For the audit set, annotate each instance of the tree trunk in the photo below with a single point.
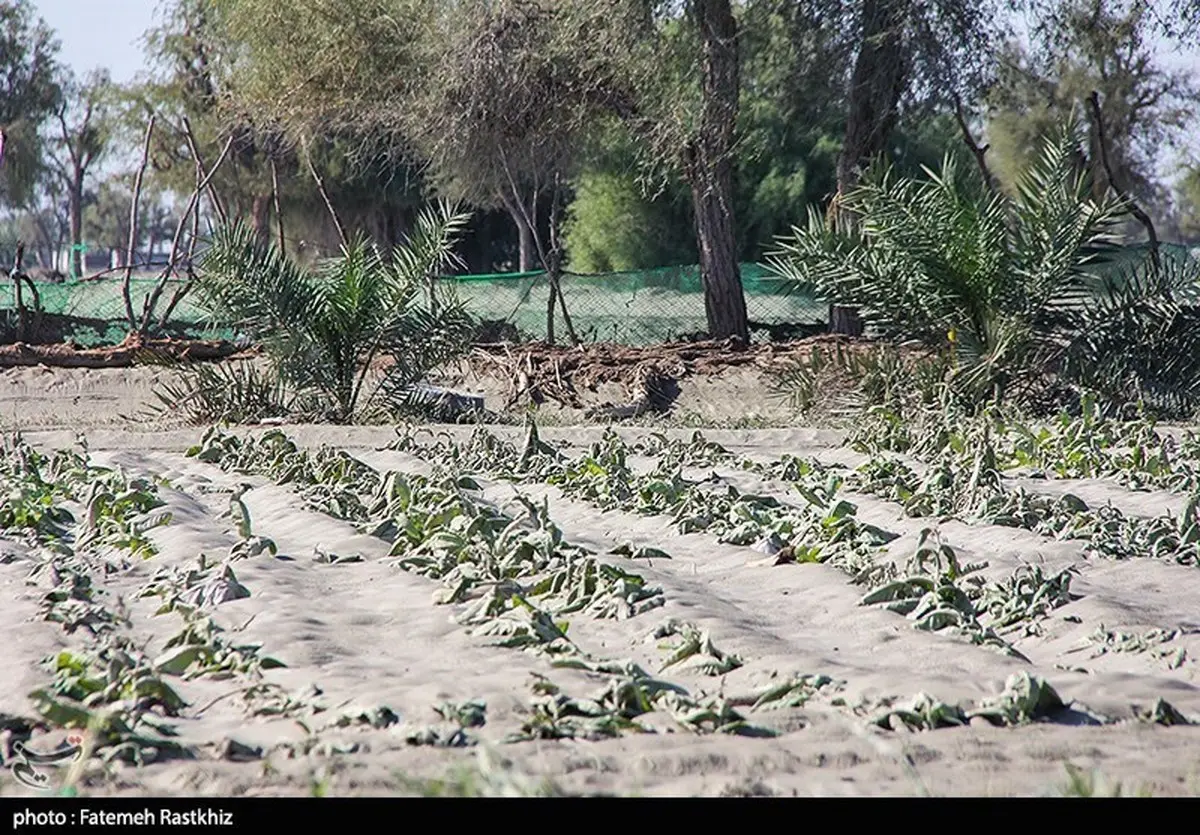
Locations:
(879, 79)
(845, 320)
(76, 220)
(724, 300)
(708, 166)
(527, 247)
(260, 218)
(876, 85)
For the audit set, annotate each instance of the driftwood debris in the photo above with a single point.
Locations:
(538, 371)
(132, 351)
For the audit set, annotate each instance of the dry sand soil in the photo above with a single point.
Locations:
(649, 661)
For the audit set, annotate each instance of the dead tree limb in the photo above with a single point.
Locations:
(218, 207)
(133, 225)
(1093, 101)
(17, 275)
(551, 260)
(152, 298)
(312, 169)
(979, 151)
(119, 356)
(278, 207)
(178, 295)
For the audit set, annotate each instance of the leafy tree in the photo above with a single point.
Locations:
(496, 95)
(80, 139)
(911, 52)
(1080, 46)
(708, 167)
(1187, 202)
(790, 121)
(188, 92)
(29, 92)
(106, 218)
(612, 226)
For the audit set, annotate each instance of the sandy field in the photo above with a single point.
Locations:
(783, 683)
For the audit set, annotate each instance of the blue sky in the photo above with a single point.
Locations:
(101, 33)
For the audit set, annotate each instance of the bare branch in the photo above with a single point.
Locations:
(133, 224)
(325, 196)
(212, 191)
(980, 152)
(152, 298)
(1093, 101)
(278, 208)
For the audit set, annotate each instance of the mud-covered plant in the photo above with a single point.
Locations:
(1025, 698)
(120, 513)
(1158, 643)
(693, 650)
(936, 592)
(202, 648)
(206, 585)
(922, 713)
(70, 506)
(616, 707)
(1027, 595)
(793, 691)
(329, 480)
(110, 690)
(75, 603)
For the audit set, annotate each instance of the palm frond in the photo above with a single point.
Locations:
(324, 327)
(430, 247)
(1139, 338)
(224, 392)
(251, 285)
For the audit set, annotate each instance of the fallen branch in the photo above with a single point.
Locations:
(539, 370)
(131, 352)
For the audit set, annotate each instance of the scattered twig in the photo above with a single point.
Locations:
(223, 697)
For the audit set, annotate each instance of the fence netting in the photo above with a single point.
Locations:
(91, 312)
(632, 308)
